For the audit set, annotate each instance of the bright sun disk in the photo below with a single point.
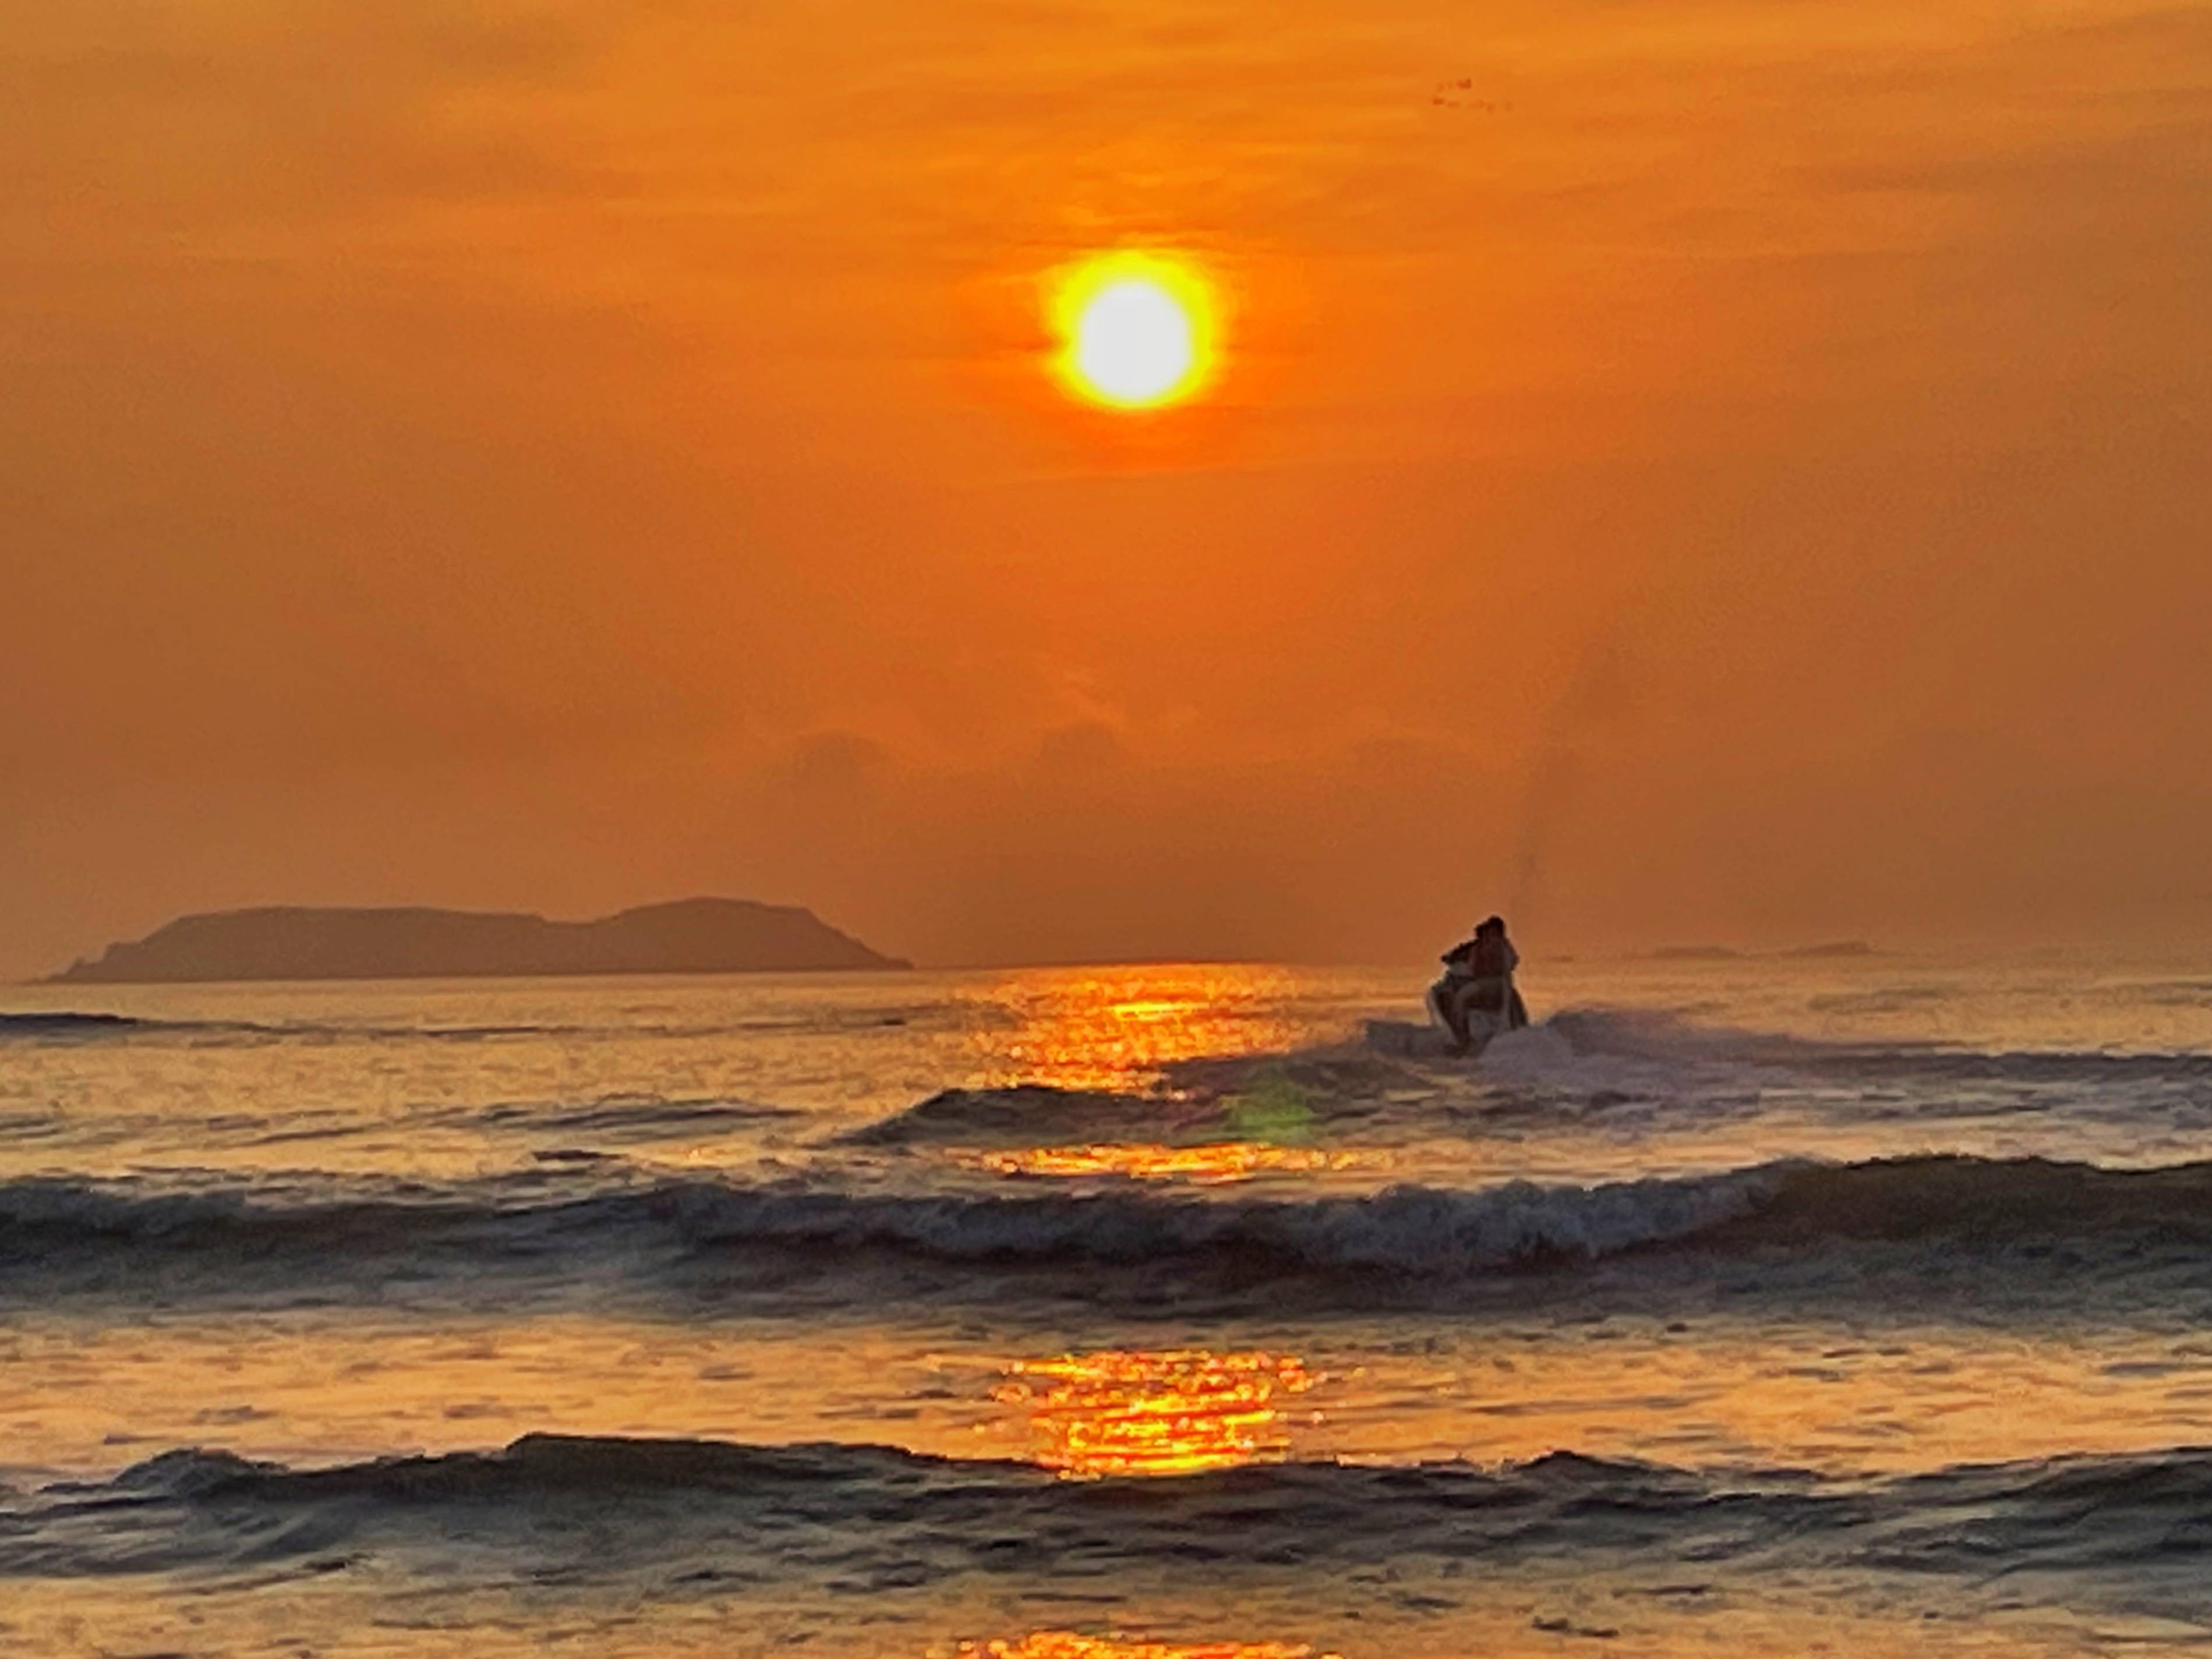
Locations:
(1136, 330)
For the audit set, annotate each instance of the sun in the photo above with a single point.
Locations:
(1137, 330)
(1133, 343)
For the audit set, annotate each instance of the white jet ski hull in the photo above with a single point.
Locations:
(1405, 1040)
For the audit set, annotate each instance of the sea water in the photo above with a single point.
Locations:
(1851, 1304)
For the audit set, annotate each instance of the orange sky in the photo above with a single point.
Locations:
(1735, 471)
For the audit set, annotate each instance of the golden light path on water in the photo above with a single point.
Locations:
(1130, 1412)
(1111, 1028)
(1208, 1163)
(81, 1400)
(1066, 1645)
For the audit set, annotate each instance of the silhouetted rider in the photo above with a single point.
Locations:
(1478, 979)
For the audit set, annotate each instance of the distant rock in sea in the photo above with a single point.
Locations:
(1695, 953)
(689, 936)
(1837, 948)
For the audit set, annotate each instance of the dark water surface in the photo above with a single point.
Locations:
(1793, 1305)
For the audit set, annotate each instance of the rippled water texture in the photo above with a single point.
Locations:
(1844, 1305)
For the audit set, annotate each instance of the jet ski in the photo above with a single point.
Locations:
(1483, 1009)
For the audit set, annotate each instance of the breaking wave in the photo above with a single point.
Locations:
(1403, 1230)
(1577, 1061)
(778, 1510)
(579, 1226)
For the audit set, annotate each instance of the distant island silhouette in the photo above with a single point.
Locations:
(688, 936)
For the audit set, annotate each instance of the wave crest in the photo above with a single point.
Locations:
(893, 1510)
(1023, 1115)
(575, 1227)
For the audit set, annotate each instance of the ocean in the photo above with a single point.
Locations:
(1855, 1304)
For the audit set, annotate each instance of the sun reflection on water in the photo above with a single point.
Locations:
(1208, 1163)
(1066, 1645)
(1124, 1412)
(1112, 1028)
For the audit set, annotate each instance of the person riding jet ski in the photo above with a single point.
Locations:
(1477, 988)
